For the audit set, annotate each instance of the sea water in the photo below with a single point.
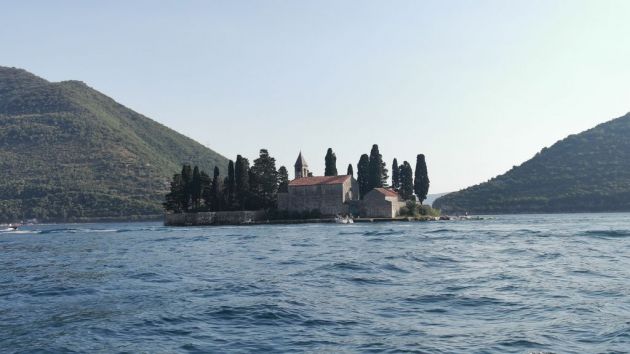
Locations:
(510, 284)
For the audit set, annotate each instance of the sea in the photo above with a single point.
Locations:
(504, 284)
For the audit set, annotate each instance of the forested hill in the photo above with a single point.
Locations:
(587, 172)
(69, 152)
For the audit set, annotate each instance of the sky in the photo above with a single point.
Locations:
(476, 86)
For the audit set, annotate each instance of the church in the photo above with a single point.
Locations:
(331, 195)
(335, 195)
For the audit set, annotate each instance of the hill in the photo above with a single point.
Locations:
(68, 152)
(586, 172)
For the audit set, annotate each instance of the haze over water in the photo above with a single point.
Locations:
(552, 283)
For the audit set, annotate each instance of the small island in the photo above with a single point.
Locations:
(261, 194)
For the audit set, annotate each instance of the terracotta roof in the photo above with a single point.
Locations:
(313, 181)
(387, 192)
(300, 161)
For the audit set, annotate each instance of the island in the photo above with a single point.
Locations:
(262, 194)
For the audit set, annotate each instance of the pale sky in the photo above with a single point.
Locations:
(477, 86)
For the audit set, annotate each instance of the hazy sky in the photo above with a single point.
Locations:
(477, 86)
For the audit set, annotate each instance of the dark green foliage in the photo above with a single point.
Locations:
(414, 209)
(230, 187)
(395, 175)
(196, 188)
(350, 171)
(68, 152)
(217, 192)
(264, 181)
(363, 171)
(187, 192)
(283, 180)
(331, 163)
(377, 172)
(587, 172)
(241, 175)
(421, 181)
(406, 181)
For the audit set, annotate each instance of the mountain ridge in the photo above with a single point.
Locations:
(70, 152)
(585, 172)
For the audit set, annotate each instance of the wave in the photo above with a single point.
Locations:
(257, 314)
(607, 233)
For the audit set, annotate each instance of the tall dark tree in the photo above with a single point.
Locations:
(376, 169)
(363, 171)
(241, 176)
(187, 184)
(175, 197)
(283, 180)
(421, 183)
(230, 186)
(196, 188)
(265, 180)
(395, 175)
(331, 163)
(217, 191)
(206, 189)
(406, 181)
(350, 171)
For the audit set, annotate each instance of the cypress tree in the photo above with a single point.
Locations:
(406, 181)
(217, 189)
(230, 186)
(421, 183)
(265, 180)
(395, 175)
(363, 168)
(331, 163)
(186, 196)
(175, 197)
(206, 189)
(241, 176)
(196, 188)
(283, 180)
(376, 170)
(350, 171)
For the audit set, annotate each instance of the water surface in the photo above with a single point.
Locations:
(545, 283)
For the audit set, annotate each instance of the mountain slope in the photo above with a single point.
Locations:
(587, 172)
(69, 152)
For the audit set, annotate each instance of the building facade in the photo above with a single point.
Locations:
(381, 203)
(330, 195)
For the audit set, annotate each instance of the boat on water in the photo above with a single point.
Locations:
(10, 227)
(343, 219)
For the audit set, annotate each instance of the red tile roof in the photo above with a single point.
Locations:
(313, 181)
(387, 192)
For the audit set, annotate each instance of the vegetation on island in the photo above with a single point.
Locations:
(586, 172)
(70, 153)
(257, 187)
(244, 187)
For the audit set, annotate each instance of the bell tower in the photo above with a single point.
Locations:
(301, 167)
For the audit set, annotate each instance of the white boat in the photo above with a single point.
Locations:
(343, 220)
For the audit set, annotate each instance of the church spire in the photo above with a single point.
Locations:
(301, 167)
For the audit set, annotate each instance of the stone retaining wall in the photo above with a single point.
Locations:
(214, 218)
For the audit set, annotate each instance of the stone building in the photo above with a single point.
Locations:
(331, 195)
(381, 203)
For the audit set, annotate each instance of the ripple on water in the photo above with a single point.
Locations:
(492, 286)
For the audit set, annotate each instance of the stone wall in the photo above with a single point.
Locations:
(377, 205)
(214, 218)
(327, 198)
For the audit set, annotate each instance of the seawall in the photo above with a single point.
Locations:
(215, 218)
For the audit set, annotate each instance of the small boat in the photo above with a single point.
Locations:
(343, 220)
(10, 227)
